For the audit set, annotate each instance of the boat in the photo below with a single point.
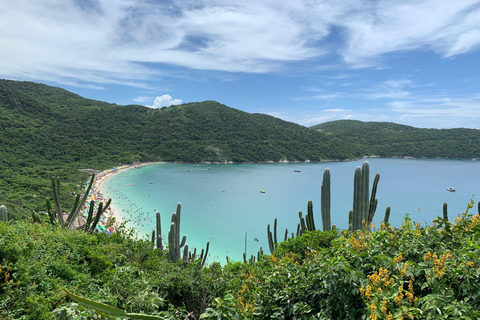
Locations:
(451, 189)
(129, 184)
(261, 191)
(296, 171)
(256, 239)
(151, 182)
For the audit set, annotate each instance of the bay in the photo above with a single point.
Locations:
(222, 203)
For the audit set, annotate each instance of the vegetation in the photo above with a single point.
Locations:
(48, 132)
(410, 272)
(387, 139)
(48, 271)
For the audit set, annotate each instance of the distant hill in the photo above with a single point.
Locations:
(49, 131)
(388, 139)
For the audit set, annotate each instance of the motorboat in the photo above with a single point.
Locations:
(451, 189)
(261, 191)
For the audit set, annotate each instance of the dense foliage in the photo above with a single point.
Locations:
(48, 131)
(411, 272)
(387, 139)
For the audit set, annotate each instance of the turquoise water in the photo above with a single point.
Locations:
(222, 203)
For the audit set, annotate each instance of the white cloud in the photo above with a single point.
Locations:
(106, 42)
(142, 99)
(387, 26)
(436, 112)
(335, 110)
(164, 101)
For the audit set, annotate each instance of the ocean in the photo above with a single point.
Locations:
(223, 205)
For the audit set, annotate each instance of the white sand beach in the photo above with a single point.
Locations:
(98, 190)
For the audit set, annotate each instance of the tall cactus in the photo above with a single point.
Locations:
(272, 239)
(309, 217)
(174, 235)
(174, 243)
(326, 200)
(4, 216)
(159, 232)
(387, 215)
(363, 208)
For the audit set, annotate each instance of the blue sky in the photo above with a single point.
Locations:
(306, 61)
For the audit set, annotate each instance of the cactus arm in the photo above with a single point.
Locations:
(159, 232)
(77, 209)
(97, 217)
(387, 215)
(75, 205)
(364, 192)
(373, 200)
(184, 239)
(185, 253)
(206, 254)
(357, 196)
(90, 215)
(275, 232)
(270, 239)
(309, 217)
(56, 198)
(445, 211)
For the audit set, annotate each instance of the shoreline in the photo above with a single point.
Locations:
(97, 193)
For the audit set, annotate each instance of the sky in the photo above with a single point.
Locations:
(410, 62)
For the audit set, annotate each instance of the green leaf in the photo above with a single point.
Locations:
(97, 305)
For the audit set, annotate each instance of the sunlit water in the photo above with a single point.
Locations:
(223, 203)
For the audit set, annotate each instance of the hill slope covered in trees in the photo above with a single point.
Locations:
(49, 131)
(388, 139)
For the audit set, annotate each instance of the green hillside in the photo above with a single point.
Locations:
(388, 139)
(49, 131)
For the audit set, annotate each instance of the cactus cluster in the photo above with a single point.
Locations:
(360, 217)
(363, 208)
(4, 215)
(174, 243)
(56, 214)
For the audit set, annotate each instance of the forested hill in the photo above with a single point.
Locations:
(49, 131)
(388, 139)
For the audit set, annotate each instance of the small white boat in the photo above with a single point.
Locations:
(451, 189)
(129, 184)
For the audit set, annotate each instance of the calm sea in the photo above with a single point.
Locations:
(220, 203)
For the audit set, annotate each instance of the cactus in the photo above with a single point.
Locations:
(309, 217)
(363, 208)
(445, 212)
(387, 215)
(36, 217)
(271, 243)
(57, 214)
(303, 226)
(159, 232)
(326, 200)
(174, 243)
(4, 216)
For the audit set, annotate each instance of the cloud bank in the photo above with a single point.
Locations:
(127, 42)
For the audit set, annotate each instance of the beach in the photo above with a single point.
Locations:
(97, 194)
